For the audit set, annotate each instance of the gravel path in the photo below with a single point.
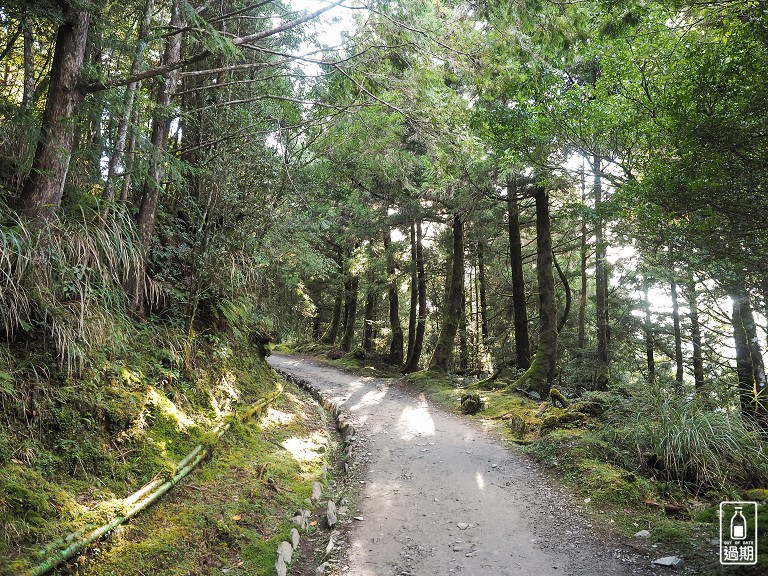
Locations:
(442, 497)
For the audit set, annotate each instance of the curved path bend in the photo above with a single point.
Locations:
(442, 497)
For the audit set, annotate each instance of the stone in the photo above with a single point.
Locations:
(643, 534)
(674, 562)
(330, 514)
(320, 570)
(317, 491)
(286, 551)
(331, 543)
(462, 525)
(280, 567)
(301, 519)
(295, 538)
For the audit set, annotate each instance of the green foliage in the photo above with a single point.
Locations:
(684, 440)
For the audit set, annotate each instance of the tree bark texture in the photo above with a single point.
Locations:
(648, 329)
(369, 327)
(698, 359)
(161, 125)
(678, 333)
(414, 294)
(522, 346)
(482, 289)
(44, 187)
(28, 96)
(749, 361)
(538, 378)
(601, 287)
(396, 344)
(350, 307)
(115, 167)
(412, 363)
(453, 307)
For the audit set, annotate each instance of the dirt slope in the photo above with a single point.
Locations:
(442, 497)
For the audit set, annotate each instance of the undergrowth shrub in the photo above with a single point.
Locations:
(685, 440)
(65, 279)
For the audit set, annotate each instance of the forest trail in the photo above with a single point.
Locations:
(440, 496)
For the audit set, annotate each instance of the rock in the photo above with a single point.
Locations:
(285, 550)
(280, 567)
(674, 562)
(301, 519)
(330, 514)
(471, 403)
(462, 525)
(331, 543)
(643, 534)
(295, 538)
(320, 570)
(317, 491)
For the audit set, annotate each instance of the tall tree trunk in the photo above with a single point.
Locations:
(27, 98)
(369, 327)
(396, 345)
(115, 167)
(567, 294)
(412, 363)
(522, 346)
(463, 341)
(601, 289)
(333, 329)
(43, 189)
(453, 306)
(350, 311)
(161, 126)
(698, 360)
(678, 334)
(648, 329)
(538, 378)
(414, 295)
(749, 361)
(482, 289)
(584, 253)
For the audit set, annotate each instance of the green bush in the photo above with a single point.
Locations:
(683, 440)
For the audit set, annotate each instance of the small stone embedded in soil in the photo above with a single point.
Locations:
(462, 525)
(285, 550)
(317, 491)
(643, 534)
(295, 538)
(674, 562)
(280, 567)
(330, 514)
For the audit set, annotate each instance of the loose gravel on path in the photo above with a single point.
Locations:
(441, 497)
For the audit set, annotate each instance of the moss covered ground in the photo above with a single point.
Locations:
(585, 447)
(72, 448)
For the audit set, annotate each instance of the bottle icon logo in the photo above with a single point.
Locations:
(738, 533)
(738, 525)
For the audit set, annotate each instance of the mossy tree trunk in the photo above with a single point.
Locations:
(540, 375)
(42, 192)
(522, 346)
(414, 303)
(412, 362)
(396, 344)
(482, 291)
(584, 254)
(455, 300)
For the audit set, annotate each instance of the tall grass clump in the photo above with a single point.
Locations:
(686, 440)
(65, 280)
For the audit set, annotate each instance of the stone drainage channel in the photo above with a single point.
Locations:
(440, 496)
(286, 549)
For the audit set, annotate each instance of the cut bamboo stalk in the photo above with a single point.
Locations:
(137, 500)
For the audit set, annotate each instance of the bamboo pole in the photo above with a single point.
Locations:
(153, 491)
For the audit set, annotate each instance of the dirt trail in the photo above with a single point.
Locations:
(442, 497)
